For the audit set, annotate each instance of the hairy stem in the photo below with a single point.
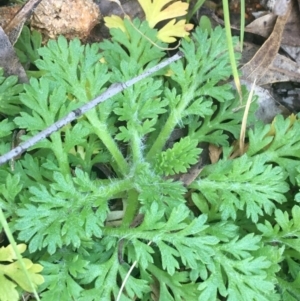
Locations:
(131, 208)
(60, 154)
(170, 124)
(101, 131)
(136, 148)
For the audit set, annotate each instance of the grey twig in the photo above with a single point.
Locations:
(110, 92)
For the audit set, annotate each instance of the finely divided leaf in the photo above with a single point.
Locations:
(74, 66)
(280, 143)
(287, 229)
(9, 94)
(27, 45)
(238, 277)
(178, 158)
(132, 48)
(63, 215)
(245, 182)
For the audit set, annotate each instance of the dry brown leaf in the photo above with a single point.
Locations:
(236, 151)
(262, 26)
(214, 153)
(192, 174)
(264, 57)
(9, 35)
(14, 27)
(282, 68)
(9, 60)
(293, 52)
(291, 34)
(268, 107)
(7, 13)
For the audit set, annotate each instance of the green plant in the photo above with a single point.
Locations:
(157, 11)
(12, 273)
(100, 194)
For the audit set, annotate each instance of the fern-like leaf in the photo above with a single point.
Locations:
(236, 275)
(178, 158)
(243, 183)
(76, 219)
(279, 143)
(9, 94)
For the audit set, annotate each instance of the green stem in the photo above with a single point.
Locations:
(159, 275)
(60, 154)
(170, 124)
(242, 27)
(114, 188)
(162, 137)
(136, 148)
(230, 47)
(101, 131)
(131, 208)
(8, 233)
(193, 10)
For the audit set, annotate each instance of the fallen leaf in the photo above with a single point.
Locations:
(8, 254)
(9, 60)
(167, 33)
(157, 11)
(192, 174)
(214, 153)
(7, 13)
(264, 25)
(291, 33)
(258, 66)
(114, 22)
(278, 7)
(293, 52)
(12, 273)
(9, 35)
(14, 27)
(282, 69)
(268, 107)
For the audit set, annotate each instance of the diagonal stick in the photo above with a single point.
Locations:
(110, 92)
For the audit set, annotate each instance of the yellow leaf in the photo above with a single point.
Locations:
(15, 272)
(171, 30)
(12, 273)
(154, 13)
(8, 289)
(8, 254)
(114, 22)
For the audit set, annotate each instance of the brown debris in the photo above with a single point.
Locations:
(257, 67)
(7, 13)
(15, 25)
(71, 18)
